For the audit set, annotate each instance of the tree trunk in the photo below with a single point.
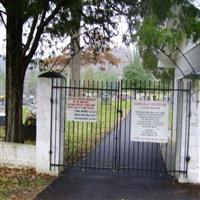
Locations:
(75, 45)
(75, 64)
(15, 72)
(75, 48)
(75, 61)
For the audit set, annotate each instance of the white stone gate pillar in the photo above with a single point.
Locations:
(50, 123)
(194, 138)
(193, 167)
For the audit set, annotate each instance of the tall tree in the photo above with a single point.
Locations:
(34, 19)
(75, 45)
(36, 15)
(27, 24)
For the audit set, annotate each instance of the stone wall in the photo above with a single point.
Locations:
(17, 155)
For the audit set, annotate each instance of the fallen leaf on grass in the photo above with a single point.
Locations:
(21, 184)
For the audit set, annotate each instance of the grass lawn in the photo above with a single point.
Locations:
(25, 114)
(21, 184)
(2, 133)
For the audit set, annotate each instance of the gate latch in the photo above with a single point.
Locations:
(121, 112)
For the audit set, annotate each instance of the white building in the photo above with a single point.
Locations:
(186, 61)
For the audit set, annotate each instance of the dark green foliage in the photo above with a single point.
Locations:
(150, 64)
(39, 23)
(190, 21)
(136, 72)
(180, 16)
(166, 75)
(150, 60)
(30, 119)
(161, 27)
(36, 20)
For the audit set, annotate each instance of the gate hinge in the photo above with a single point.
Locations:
(121, 112)
(187, 158)
(50, 152)
(51, 100)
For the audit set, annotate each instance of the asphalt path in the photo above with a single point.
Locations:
(74, 184)
(140, 173)
(117, 152)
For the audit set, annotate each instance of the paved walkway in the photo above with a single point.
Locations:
(124, 153)
(96, 185)
(74, 184)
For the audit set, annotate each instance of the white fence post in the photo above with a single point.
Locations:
(50, 123)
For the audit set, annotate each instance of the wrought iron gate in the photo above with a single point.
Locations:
(106, 144)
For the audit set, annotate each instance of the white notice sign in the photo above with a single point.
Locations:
(149, 121)
(82, 109)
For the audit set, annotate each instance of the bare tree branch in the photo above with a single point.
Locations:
(30, 36)
(52, 15)
(3, 2)
(44, 22)
(72, 55)
(33, 27)
(2, 19)
(3, 12)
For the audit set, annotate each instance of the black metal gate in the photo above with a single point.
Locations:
(106, 143)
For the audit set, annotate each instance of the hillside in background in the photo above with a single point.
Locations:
(124, 54)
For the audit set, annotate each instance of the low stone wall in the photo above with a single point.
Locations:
(17, 155)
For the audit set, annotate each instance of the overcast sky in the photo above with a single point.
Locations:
(196, 3)
(118, 39)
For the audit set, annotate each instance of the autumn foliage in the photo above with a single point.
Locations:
(88, 56)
